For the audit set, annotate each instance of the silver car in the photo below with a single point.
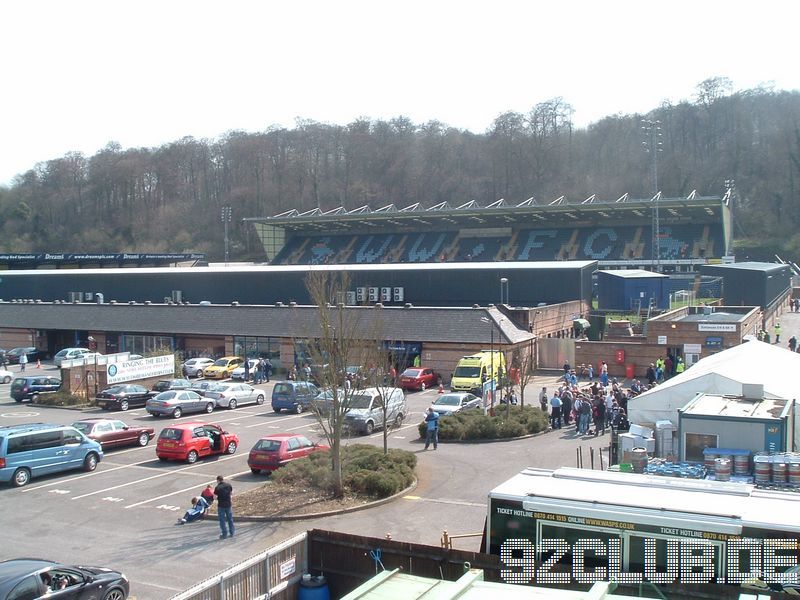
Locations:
(232, 395)
(194, 366)
(455, 402)
(177, 402)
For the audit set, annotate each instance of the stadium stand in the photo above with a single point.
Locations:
(691, 231)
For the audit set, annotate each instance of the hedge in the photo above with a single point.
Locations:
(365, 471)
(474, 425)
(61, 398)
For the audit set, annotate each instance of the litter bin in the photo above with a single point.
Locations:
(630, 371)
(313, 588)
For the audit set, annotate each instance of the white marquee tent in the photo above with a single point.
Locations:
(754, 362)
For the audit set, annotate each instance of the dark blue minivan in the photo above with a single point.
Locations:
(31, 387)
(293, 395)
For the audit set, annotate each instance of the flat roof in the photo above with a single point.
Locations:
(714, 317)
(624, 495)
(736, 407)
(749, 266)
(634, 274)
(249, 268)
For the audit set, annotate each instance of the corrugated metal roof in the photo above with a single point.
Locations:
(420, 324)
(250, 268)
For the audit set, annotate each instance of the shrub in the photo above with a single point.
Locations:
(60, 398)
(474, 425)
(365, 470)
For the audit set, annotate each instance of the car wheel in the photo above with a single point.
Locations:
(231, 448)
(90, 462)
(123, 405)
(191, 458)
(144, 439)
(210, 407)
(114, 594)
(35, 398)
(7, 380)
(233, 404)
(21, 477)
(277, 410)
(255, 471)
(177, 413)
(398, 420)
(422, 387)
(369, 428)
(260, 399)
(298, 408)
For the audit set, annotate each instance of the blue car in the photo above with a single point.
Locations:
(30, 388)
(293, 395)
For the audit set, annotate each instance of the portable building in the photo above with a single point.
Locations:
(721, 421)
(631, 289)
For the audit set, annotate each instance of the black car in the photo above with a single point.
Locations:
(123, 396)
(31, 387)
(12, 356)
(30, 578)
(166, 385)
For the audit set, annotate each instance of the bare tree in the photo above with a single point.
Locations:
(339, 337)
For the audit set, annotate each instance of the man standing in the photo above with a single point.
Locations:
(432, 428)
(223, 492)
(777, 333)
(267, 368)
(792, 343)
(23, 360)
(555, 415)
(543, 399)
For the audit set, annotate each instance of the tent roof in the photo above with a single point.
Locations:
(722, 373)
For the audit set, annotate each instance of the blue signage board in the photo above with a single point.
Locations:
(713, 342)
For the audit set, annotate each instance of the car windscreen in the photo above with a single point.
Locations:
(19, 382)
(359, 401)
(470, 372)
(222, 362)
(116, 389)
(171, 434)
(166, 396)
(82, 427)
(412, 372)
(448, 401)
(282, 388)
(268, 445)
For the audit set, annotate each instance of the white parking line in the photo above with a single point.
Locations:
(60, 481)
(116, 487)
(194, 487)
(271, 421)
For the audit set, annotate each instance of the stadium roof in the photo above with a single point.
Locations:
(501, 213)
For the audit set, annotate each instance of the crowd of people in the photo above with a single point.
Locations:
(592, 404)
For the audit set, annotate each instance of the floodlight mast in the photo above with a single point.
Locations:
(653, 145)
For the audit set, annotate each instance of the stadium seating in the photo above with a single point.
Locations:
(623, 242)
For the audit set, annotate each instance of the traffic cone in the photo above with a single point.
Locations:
(441, 388)
(38, 363)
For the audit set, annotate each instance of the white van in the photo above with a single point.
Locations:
(366, 409)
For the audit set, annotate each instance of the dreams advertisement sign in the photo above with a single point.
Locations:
(143, 368)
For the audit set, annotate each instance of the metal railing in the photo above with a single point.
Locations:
(259, 577)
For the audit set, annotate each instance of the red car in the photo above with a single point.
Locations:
(111, 433)
(190, 441)
(418, 378)
(274, 451)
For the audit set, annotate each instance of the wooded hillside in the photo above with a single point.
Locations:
(169, 198)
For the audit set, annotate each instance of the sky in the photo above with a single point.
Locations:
(78, 74)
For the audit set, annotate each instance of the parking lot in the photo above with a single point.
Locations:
(123, 514)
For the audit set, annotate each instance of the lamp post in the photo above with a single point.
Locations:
(493, 385)
(225, 217)
(504, 282)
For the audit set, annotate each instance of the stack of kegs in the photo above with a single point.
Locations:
(763, 463)
(741, 464)
(793, 463)
(722, 469)
(709, 459)
(638, 458)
